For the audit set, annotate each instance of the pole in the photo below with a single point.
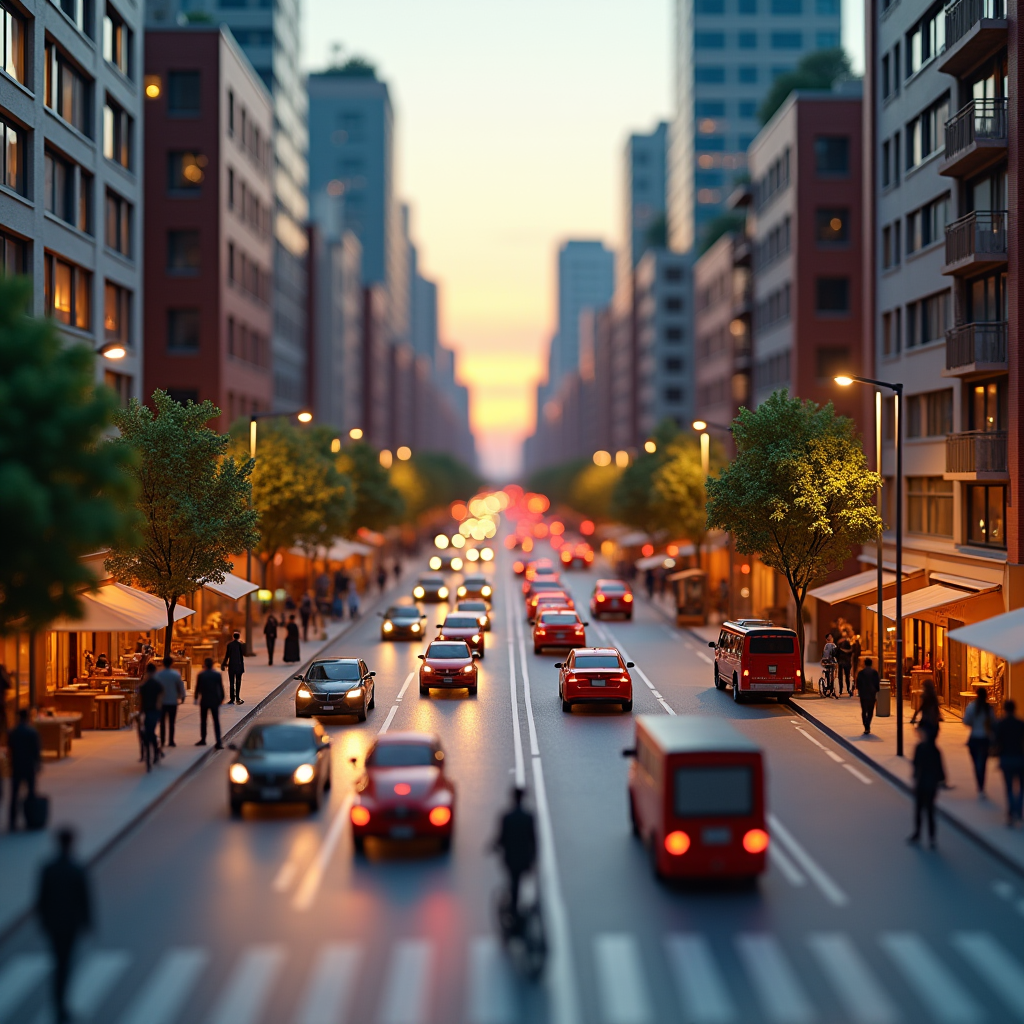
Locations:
(879, 619)
(248, 551)
(898, 401)
(705, 453)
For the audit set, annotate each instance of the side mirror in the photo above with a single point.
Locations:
(629, 752)
(423, 616)
(421, 656)
(558, 664)
(712, 644)
(298, 676)
(476, 654)
(232, 746)
(586, 623)
(373, 673)
(630, 664)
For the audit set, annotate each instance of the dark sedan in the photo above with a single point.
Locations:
(280, 762)
(401, 622)
(430, 588)
(335, 686)
(476, 585)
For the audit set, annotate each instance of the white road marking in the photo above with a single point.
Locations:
(517, 739)
(490, 996)
(674, 636)
(620, 979)
(807, 735)
(527, 696)
(285, 876)
(94, 980)
(640, 672)
(778, 856)
(406, 989)
(20, 975)
(857, 774)
(860, 992)
(932, 980)
(702, 991)
(387, 721)
(405, 686)
(817, 875)
(704, 657)
(835, 757)
(245, 998)
(781, 994)
(1004, 974)
(315, 872)
(167, 989)
(331, 985)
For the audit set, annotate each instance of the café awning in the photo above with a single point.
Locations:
(1002, 635)
(652, 562)
(115, 608)
(851, 587)
(946, 601)
(342, 549)
(233, 587)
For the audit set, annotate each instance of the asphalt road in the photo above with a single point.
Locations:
(271, 919)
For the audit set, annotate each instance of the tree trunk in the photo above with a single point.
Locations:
(800, 631)
(169, 633)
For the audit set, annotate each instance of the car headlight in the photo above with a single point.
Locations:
(469, 669)
(427, 668)
(462, 591)
(356, 691)
(483, 621)
(486, 591)
(304, 693)
(435, 563)
(487, 554)
(238, 773)
(388, 627)
(442, 593)
(476, 638)
(457, 564)
(415, 627)
(418, 591)
(303, 774)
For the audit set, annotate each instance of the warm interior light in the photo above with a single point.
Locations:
(602, 458)
(264, 595)
(360, 815)
(622, 459)
(441, 541)
(355, 433)
(442, 593)
(844, 381)
(435, 562)
(386, 458)
(404, 453)
(152, 86)
(699, 425)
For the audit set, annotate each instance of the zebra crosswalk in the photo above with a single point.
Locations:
(897, 977)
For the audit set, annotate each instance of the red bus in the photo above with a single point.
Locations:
(757, 659)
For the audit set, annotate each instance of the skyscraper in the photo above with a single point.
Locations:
(644, 206)
(728, 52)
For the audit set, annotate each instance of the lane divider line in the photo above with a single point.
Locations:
(307, 891)
(835, 757)
(405, 686)
(387, 721)
(857, 773)
(640, 672)
(816, 874)
(527, 693)
(807, 735)
(285, 876)
(517, 738)
(778, 857)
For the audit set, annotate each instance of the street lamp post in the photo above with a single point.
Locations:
(302, 417)
(702, 426)
(897, 390)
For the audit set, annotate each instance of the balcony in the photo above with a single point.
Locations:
(976, 242)
(976, 455)
(975, 138)
(973, 349)
(974, 30)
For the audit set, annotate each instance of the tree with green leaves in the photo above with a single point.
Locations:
(798, 494)
(377, 503)
(821, 69)
(192, 499)
(678, 490)
(62, 492)
(634, 500)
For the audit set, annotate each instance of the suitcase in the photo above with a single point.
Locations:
(37, 812)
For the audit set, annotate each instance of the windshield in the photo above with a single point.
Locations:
(431, 581)
(459, 650)
(336, 670)
(400, 755)
(557, 619)
(612, 588)
(712, 792)
(280, 739)
(460, 622)
(546, 585)
(403, 611)
(596, 661)
(472, 606)
(475, 581)
(771, 645)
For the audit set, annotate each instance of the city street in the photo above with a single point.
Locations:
(271, 919)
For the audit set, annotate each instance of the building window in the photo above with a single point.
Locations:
(928, 224)
(12, 57)
(926, 39)
(931, 414)
(832, 295)
(117, 42)
(183, 330)
(748, 75)
(117, 134)
(710, 6)
(891, 333)
(748, 6)
(709, 75)
(673, 395)
(747, 108)
(930, 505)
(673, 335)
(705, 108)
(928, 320)
(787, 7)
(787, 40)
(13, 255)
(185, 171)
(85, 202)
(986, 516)
(832, 154)
(66, 289)
(926, 133)
(116, 312)
(183, 252)
(747, 40)
(12, 162)
(709, 40)
(988, 408)
(826, 40)
(118, 230)
(673, 305)
(673, 273)
(832, 360)
(59, 187)
(887, 250)
(833, 225)
(673, 365)
(66, 91)
(183, 93)
(120, 384)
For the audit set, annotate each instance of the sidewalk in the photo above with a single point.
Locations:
(102, 791)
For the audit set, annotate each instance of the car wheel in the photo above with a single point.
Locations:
(446, 844)
(327, 782)
(719, 684)
(472, 690)
(373, 700)
(627, 705)
(566, 705)
(359, 844)
(634, 824)
(236, 808)
(314, 803)
(652, 850)
(361, 715)
(536, 650)
(424, 690)
(736, 695)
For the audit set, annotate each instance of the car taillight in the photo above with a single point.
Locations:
(542, 632)
(360, 815)
(755, 841)
(601, 597)
(440, 816)
(746, 672)
(627, 598)
(677, 843)
(798, 673)
(572, 679)
(579, 629)
(622, 679)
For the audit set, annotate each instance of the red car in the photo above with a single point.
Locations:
(611, 597)
(559, 628)
(547, 599)
(577, 555)
(595, 675)
(448, 665)
(463, 626)
(540, 587)
(403, 792)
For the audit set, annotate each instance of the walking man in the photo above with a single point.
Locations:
(174, 694)
(209, 696)
(868, 686)
(517, 842)
(64, 909)
(234, 662)
(1009, 735)
(929, 774)
(26, 760)
(382, 578)
(981, 721)
(151, 699)
(270, 632)
(305, 613)
(844, 659)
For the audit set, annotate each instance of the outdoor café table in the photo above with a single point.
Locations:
(68, 718)
(81, 701)
(109, 711)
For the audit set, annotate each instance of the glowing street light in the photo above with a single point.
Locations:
(404, 453)
(356, 433)
(602, 458)
(113, 350)
(650, 447)
(386, 458)
(304, 417)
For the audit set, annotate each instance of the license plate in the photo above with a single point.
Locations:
(327, 707)
(772, 669)
(780, 685)
(402, 832)
(448, 679)
(270, 793)
(598, 682)
(716, 836)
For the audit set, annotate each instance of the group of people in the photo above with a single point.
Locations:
(842, 658)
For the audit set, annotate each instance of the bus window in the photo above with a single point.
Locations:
(713, 792)
(771, 645)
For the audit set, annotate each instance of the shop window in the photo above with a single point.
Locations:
(67, 288)
(12, 57)
(66, 90)
(119, 224)
(183, 330)
(116, 313)
(930, 505)
(117, 134)
(12, 158)
(988, 406)
(986, 516)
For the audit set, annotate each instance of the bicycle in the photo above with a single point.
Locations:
(827, 682)
(522, 933)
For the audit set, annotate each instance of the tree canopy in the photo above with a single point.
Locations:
(377, 503)
(818, 70)
(62, 493)
(441, 479)
(192, 499)
(798, 494)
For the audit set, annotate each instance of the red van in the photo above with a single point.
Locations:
(757, 659)
(696, 797)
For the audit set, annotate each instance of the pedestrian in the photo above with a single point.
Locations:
(64, 909)
(857, 650)
(649, 584)
(305, 613)
(291, 641)
(868, 686)
(1009, 737)
(382, 578)
(928, 711)
(174, 694)
(234, 662)
(828, 660)
(340, 583)
(270, 633)
(517, 842)
(26, 760)
(397, 570)
(844, 661)
(979, 719)
(5, 685)
(929, 775)
(151, 699)
(209, 696)
(353, 601)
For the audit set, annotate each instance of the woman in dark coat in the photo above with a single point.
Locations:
(270, 632)
(291, 643)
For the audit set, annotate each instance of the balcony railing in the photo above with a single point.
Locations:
(981, 233)
(976, 451)
(980, 119)
(963, 15)
(973, 344)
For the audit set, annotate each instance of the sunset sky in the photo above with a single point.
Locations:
(511, 121)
